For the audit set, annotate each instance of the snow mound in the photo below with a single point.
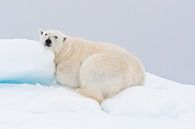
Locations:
(44, 99)
(25, 61)
(157, 99)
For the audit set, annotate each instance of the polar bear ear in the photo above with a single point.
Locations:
(41, 31)
(64, 39)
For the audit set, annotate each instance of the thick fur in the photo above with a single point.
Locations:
(97, 70)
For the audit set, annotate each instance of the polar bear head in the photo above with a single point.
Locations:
(52, 39)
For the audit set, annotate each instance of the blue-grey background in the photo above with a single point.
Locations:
(160, 32)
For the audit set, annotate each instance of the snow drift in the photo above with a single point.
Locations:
(157, 98)
(25, 61)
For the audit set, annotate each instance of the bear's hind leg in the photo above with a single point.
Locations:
(100, 77)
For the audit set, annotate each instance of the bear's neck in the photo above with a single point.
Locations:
(64, 53)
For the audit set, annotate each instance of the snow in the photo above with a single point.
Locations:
(163, 98)
(153, 106)
(25, 61)
(159, 104)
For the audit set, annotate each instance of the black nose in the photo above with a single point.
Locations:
(48, 42)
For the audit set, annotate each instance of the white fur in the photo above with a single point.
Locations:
(97, 70)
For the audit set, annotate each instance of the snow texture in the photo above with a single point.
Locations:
(159, 104)
(25, 61)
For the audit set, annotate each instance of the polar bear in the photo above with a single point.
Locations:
(94, 69)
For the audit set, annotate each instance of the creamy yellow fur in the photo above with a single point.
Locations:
(97, 70)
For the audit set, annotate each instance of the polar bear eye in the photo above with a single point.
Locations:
(45, 34)
(55, 37)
